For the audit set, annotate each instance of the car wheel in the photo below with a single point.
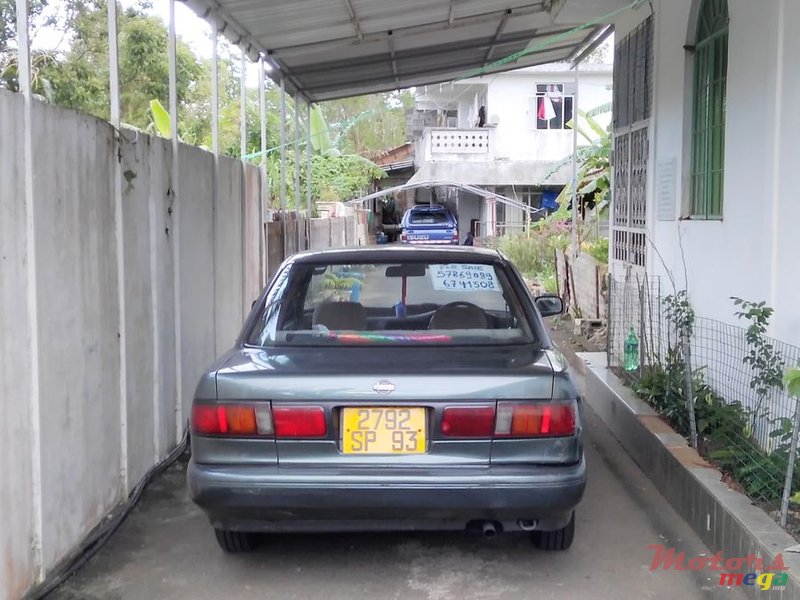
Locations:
(560, 539)
(235, 541)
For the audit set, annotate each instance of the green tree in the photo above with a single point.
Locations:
(369, 124)
(41, 13)
(80, 79)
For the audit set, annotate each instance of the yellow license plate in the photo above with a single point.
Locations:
(383, 430)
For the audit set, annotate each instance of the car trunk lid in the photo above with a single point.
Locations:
(383, 389)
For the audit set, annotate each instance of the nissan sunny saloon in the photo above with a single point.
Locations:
(394, 388)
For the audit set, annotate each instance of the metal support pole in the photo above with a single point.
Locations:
(176, 246)
(575, 249)
(243, 108)
(296, 162)
(24, 75)
(283, 165)
(243, 195)
(215, 150)
(309, 150)
(787, 484)
(262, 205)
(214, 90)
(113, 81)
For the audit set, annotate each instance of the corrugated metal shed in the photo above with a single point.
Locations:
(328, 49)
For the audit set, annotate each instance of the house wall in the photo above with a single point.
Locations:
(510, 98)
(751, 253)
(469, 207)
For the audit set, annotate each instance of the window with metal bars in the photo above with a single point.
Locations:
(708, 124)
(554, 105)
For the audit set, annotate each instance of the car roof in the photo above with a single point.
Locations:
(380, 254)
(428, 208)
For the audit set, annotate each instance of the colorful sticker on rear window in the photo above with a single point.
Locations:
(461, 277)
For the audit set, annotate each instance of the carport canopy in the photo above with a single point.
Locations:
(328, 49)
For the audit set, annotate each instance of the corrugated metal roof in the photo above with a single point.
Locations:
(326, 49)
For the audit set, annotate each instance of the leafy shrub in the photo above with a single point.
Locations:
(597, 249)
(724, 427)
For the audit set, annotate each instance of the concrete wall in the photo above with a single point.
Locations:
(581, 284)
(17, 510)
(752, 252)
(469, 207)
(90, 374)
(78, 314)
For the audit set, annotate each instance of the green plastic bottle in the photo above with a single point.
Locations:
(631, 351)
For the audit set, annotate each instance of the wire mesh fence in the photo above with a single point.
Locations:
(729, 378)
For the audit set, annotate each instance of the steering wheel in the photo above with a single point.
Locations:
(457, 303)
(471, 310)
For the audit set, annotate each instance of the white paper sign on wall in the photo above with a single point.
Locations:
(666, 173)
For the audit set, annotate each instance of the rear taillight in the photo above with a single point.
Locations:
(455, 236)
(231, 419)
(472, 421)
(403, 237)
(299, 421)
(523, 420)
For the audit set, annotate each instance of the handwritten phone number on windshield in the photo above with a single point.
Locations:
(468, 284)
(465, 275)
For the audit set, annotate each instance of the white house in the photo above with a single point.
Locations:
(706, 154)
(505, 132)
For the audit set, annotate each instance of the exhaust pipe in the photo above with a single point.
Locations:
(527, 524)
(489, 529)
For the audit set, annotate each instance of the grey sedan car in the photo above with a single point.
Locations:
(391, 388)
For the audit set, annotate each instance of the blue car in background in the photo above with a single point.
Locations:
(429, 224)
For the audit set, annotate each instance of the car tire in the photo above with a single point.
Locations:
(560, 539)
(235, 541)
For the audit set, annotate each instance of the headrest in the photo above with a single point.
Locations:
(341, 316)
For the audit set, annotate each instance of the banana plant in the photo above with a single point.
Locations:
(159, 120)
(792, 386)
(594, 160)
(321, 140)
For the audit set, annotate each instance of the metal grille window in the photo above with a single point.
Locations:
(633, 84)
(554, 105)
(708, 126)
(631, 154)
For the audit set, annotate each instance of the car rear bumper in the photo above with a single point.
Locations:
(255, 498)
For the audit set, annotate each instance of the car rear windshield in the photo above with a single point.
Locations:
(391, 304)
(438, 217)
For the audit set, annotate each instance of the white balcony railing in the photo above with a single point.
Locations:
(458, 144)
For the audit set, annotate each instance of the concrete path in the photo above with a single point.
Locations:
(166, 550)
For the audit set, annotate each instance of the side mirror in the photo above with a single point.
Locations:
(550, 305)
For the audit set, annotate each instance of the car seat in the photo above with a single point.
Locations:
(340, 316)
